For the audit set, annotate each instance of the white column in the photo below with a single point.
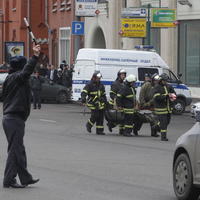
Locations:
(169, 42)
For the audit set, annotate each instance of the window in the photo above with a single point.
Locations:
(64, 45)
(14, 5)
(124, 3)
(102, 1)
(54, 5)
(189, 52)
(143, 71)
(62, 5)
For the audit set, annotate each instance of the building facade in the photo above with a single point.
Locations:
(189, 45)
(14, 34)
(61, 40)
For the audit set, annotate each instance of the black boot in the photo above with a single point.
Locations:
(121, 131)
(109, 127)
(88, 127)
(164, 137)
(154, 133)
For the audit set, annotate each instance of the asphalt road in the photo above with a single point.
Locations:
(75, 165)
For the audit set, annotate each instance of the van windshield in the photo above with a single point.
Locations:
(172, 77)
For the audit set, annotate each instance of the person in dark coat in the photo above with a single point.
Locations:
(16, 109)
(36, 87)
(52, 74)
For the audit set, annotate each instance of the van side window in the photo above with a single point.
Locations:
(143, 71)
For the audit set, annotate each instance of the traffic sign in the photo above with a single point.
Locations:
(78, 28)
(134, 12)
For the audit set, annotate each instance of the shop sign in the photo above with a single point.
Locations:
(133, 27)
(86, 8)
(163, 18)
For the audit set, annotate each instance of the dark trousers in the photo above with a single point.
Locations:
(36, 98)
(97, 116)
(164, 122)
(128, 123)
(138, 121)
(16, 161)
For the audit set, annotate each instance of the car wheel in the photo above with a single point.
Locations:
(62, 97)
(179, 107)
(183, 179)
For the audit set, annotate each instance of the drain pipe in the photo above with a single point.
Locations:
(49, 30)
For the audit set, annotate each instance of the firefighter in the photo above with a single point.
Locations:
(163, 95)
(146, 102)
(115, 88)
(145, 92)
(126, 101)
(94, 96)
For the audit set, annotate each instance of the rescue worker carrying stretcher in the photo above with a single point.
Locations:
(94, 96)
(126, 101)
(115, 88)
(163, 95)
(146, 103)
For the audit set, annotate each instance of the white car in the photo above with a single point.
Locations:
(195, 108)
(186, 164)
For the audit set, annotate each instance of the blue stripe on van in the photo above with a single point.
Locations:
(137, 84)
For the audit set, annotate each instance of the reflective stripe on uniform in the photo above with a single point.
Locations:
(85, 91)
(155, 95)
(128, 126)
(113, 92)
(130, 96)
(90, 122)
(100, 127)
(129, 110)
(163, 131)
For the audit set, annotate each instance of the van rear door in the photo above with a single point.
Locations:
(83, 73)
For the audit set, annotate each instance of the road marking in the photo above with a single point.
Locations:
(46, 120)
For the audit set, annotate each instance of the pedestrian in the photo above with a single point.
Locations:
(52, 74)
(16, 109)
(126, 101)
(163, 95)
(94, 96)
(62, 64)
(115, 88)
(36, 87)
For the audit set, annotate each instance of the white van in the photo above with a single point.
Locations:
(110, 61)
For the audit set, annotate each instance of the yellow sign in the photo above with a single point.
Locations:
(133, 27)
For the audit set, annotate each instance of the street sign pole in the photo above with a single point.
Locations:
(148, 25)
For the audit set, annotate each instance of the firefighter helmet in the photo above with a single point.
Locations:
(164, 77)
(121, 71)
(131, 78)
(155, 77)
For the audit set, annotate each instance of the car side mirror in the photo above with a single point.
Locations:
(180, 75)
(197, 116)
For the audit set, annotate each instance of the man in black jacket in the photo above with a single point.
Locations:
(115, 88)
(36, 87)
(16, 109)
(94, 95)
(126, 101)
(163, 95)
